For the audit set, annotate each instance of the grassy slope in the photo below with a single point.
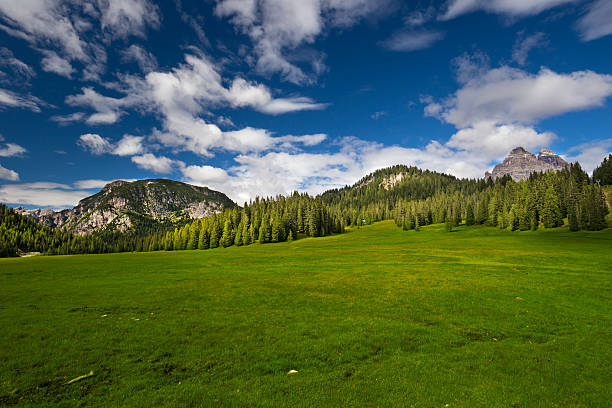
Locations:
(375, 317)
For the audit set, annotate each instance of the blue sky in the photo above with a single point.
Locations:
(263, 97)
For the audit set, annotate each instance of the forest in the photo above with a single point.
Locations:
(413, 199)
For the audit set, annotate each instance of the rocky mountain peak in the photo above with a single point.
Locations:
(546, 152)
(113, 184)
(520, 163)
(519, 151)
(123, 205)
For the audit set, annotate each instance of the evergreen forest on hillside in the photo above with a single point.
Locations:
(417, 198)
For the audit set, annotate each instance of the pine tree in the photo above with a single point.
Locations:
(215, 234)
(469, 214)
(238, 239)
(226, 237)
(572, 218)
(204, 238)
(551, 213)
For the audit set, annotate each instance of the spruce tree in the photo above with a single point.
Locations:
(226, 237)
(551, 213)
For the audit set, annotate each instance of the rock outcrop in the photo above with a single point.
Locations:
(121, 206)
(520, 164)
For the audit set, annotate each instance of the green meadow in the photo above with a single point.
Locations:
(374, 317)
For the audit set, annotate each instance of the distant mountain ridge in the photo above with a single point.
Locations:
(123, 206)
(520, 163)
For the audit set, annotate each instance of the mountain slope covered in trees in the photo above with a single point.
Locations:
(411, 196)
(141, 207)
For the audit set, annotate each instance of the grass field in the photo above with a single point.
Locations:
(373, 317)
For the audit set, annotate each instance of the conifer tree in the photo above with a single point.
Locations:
(551, 213)
(227, 239)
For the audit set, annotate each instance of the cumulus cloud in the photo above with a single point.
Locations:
(467, 154)
(281, 172)
(508, 95)
(182, 96)
(157, 164)
(279, 27)
(412, 40)
(591, 154)
(597, 22)
(185, 92)
(6, 174)
(95, 143)
(512, 8)
(129, 145)
(493, 141)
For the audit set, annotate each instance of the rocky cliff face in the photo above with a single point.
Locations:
(520, 164)
(122, 206)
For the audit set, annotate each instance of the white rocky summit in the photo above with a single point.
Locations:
(520, 164)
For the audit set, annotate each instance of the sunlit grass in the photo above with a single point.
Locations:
(374, 317)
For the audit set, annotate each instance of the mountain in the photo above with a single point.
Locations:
(520, 164)
(140, 206)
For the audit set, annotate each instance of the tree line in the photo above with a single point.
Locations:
(542, 201)
(414, 199)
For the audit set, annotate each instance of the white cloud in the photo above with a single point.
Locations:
(258, 96)
(6, 174)
(54, 63)
(128, 17)
(156, 164)
(96, 144)
(184, 93)
(182, 96)
(45, 21)
(597, 22)
(278, 27)
(507, 95)
(67, 119)
(19, 69)
(68, 31)
(591, 154)
(108, 109)
(524, 45)
(129, 146)
(90, 184)
(41, 194)
(412, 40)
(493, 141)
(11, 150)
(145, 60)
(275, 173)
(513, 8)
(13, 100)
